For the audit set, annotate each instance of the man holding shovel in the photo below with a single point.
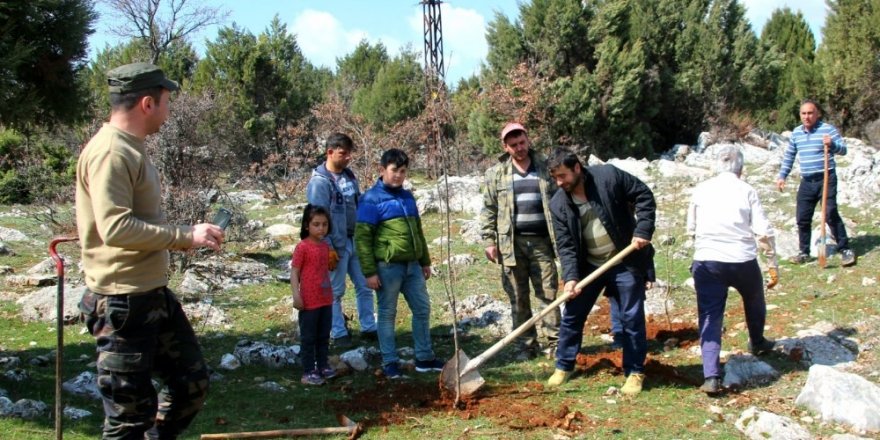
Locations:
(593, 218)
(810, 143)
(138, 323)
(517, 234)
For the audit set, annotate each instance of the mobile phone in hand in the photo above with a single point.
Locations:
(222, 218)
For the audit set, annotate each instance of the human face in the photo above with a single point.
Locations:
(157, 112)
(338, 158)
(392, 175)
(517, 146)
(810, 115)
(318, 226)
(566, 178)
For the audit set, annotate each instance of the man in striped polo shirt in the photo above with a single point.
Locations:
(807, 143)
(517, 233)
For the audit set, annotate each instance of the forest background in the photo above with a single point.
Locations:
(615, 78)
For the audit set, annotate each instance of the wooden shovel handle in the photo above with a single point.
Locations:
(493, 350)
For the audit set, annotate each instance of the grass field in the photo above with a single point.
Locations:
(515, 403)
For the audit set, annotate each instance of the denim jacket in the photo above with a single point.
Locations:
(322, 190)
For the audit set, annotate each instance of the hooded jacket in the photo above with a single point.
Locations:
(322, 190)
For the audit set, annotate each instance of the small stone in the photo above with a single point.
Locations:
(229, 362)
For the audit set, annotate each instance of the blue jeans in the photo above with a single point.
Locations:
(406, 278)
(711, 280)
(349, 265)
(628, 291)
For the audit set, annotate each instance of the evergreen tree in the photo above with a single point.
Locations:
(849, 64)
(789, 34)
(42, 48)
(395, 95)
(358, 70)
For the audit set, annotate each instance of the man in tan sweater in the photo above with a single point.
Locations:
(137, 321)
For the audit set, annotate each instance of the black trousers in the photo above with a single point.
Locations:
(314, 331)
(808, 195)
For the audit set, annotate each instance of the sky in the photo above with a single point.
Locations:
(330, 29)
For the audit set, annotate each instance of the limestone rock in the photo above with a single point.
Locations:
(85, 384)
(842, 397)
(744, 370)
(762, 425)
(40, 305)
(282, 230)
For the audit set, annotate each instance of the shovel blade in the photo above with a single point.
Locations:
(471, 382)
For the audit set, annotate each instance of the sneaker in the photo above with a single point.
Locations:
(800, 258)
(434, 365)
(633, 384)
(617, 341)
(392, 371)
(847, 258)
(342, 342)
(328, 373)
(712, 386)
(312, 378)
(370, 336)
(558, 378)
(762, 347)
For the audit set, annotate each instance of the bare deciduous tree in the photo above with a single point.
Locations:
(162, 22)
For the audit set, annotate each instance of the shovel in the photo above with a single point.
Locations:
(820, 249)
(59, 331)
(465, 370)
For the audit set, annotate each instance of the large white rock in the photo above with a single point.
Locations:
(7, 234)
(41, 305)
(29, 409)
(815, 347)
(842, 397)
(762, 425)
(282, 230)
(464, 195)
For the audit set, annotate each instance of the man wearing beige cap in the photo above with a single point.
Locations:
(138, 323)
(517, 233)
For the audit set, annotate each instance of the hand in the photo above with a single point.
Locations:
(826, 142)
(426, 271)
(640, 242)
(773, 275)
(568, 289)
(649, 285)
(373, 282)
(298, 301)
(780, 184)
(492, 253)
(207, 235)
(334, 259)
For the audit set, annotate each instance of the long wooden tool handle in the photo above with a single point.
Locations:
(821, 247)
(278, 433)
(493, 350)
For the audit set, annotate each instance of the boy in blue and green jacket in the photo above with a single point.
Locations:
(393, 253)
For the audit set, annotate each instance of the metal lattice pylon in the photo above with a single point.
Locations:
(433, 33)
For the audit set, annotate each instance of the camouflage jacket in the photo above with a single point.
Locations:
(497, 215)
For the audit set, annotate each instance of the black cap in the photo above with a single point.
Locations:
(138, 76)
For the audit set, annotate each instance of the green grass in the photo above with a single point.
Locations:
(668, 409)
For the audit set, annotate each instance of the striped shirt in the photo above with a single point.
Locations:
(529, 218)
(595, 237)
(807, 146)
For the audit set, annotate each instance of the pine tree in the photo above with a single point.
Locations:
(790, 36)
(849, 64)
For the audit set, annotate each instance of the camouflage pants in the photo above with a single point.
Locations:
(534, 264)
(138, 335)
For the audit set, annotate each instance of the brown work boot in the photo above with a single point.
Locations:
(633, 385)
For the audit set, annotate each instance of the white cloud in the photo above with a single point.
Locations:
(814, 11)
(323, 38)
(464, 39)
